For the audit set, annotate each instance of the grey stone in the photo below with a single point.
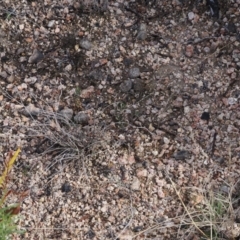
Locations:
(11, 79)
(22, 59)
(104, 5)
(20, 50)
(31, 110)
(231, 27)
(134, 72)
(143, 27)
(36, 57)
(225, 189)
(232, 101)
(3, 74)
(51, 23)
(66, 113)
(96, 75)
(85, 44)
(126, 86)
(30, 80)
(181, 155)
(81, 118)
(191, 16)
(135, 184)
(66, 187)
(142, 33)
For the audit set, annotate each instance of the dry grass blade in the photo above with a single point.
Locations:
(186, 209)
(8, 167)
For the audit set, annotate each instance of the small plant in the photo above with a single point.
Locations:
(120, 114)
(77, 91)
(9, 13)
(211, 213)
(8, 224)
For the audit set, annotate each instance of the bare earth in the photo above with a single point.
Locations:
(127, 114)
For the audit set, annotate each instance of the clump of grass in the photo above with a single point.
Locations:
(65, 140)
(210, 213)
(8, 12)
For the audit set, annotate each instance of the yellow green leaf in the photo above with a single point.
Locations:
(8, 167)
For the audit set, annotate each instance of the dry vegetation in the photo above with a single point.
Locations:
(127, 115)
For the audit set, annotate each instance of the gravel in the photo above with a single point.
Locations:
(108, 100)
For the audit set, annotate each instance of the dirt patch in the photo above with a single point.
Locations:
(127, 115)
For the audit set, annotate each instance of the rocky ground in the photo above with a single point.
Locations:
(127, 115)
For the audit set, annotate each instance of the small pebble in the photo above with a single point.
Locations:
(206, 49)
(189, 50)
(166, 140)
(36, 57)
(11, 79)
(85, 44)
(181, 155)
(191, 16)
(22, 59)
(81, 118)
(232, 101)
(22, 86)
(142, 172)
(66, 113)
(90, 234)
(51, 23)
(205, 116)
(68, 67)
(66, 187)
(30, 80)
(87, 93)
(10, 86)
(134, 72)
(3, 74)
(231, 27)
(96, 75)
(135, 184)
(31, 110)
(142, 33)
(126, 86)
